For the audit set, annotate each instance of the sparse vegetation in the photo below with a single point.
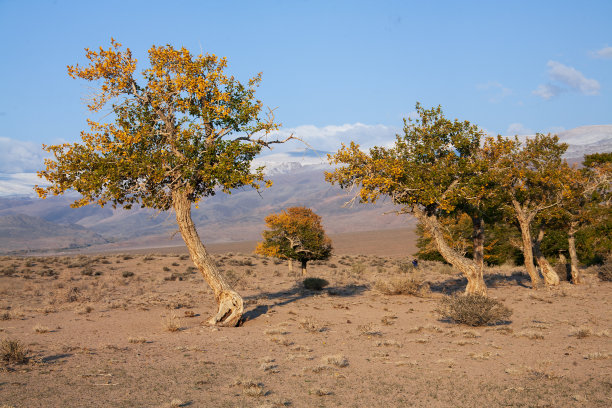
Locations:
(403, 286)
(473, 310)
(13, 351)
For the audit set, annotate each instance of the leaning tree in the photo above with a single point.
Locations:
(295, 234)
(183, 132)
(436, 169)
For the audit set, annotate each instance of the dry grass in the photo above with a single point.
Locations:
(581, 332)
(473, 310)
(172, 323)
(311, 325)
(13, 351)
(403, 286)
(337, 360)
(368, 330)
(40, 329)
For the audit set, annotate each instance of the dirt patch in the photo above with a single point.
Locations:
(127, 330)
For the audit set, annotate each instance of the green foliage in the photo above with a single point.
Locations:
(297, 234)
(314, 283)
(473, 310)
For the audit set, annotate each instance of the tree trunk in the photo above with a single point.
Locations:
(563, 262)
(469, 268)
(550, 275)
(478, 238)
(230, 305)
(524, 222)
(290, 262)
(571, 240)
(304, 268)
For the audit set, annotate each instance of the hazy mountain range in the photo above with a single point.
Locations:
(28, 223)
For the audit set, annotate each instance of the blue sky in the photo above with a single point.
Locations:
(335, 70)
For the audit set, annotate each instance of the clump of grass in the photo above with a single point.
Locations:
(598, 356)
(40, 329)
(127, 274)
(252, 388)
(6, 315)
(137, 340)
(314, 283)
(531, 335)
(581, 332)
(13, 351)
(604, 272)
(172, 323)
(311, 325)
(403, 286)
(473, 310)
(368, 330)
(337, 360)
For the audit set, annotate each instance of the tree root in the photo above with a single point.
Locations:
(230, 310)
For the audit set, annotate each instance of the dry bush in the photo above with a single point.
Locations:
(311, 325)
(605, 271)
(13, 351)
(335, 360)
(582, 332)
(172, 323)
(368, 330)
(137, 340)
(6, 315)
(473, 310)
(314, 283)
(403, 286)
(41, 329)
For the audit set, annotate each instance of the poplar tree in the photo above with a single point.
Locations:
(183, 130)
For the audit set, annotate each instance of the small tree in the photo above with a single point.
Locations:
(295, 234)
(185, 132)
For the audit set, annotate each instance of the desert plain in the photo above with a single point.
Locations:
(128, 329)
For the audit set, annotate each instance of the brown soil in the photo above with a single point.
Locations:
(126, 330)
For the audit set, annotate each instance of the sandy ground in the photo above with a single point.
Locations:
(127, 330)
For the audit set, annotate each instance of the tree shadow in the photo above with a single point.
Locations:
(455, 285)
(285, 297)
(55, 357)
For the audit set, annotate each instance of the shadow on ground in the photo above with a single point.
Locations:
(296, 293)
(452, 286)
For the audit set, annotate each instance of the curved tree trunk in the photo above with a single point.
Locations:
(550, 275)
(469, 269)
(571, 240)
(304, 268)
(524, 222)
(290, 262)
(230, 305)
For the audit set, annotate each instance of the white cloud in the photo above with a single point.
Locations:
(518, 129)
(605, 52)
(329, 138)
(19, 157)
(496, 91)
(19, 184)
(568, 78)
(573, 78)
(547, 91)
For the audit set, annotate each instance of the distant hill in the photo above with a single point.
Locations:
(23, 233)
(221, 218)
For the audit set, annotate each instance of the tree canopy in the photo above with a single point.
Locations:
(295, 234)
(185, 126)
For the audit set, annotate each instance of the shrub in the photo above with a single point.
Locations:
(403, 286)
(473, 310)
(605, 271)
(314, 283)
(13, 351)
(127, 274)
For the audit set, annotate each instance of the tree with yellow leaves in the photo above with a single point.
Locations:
(184, 132)
(295, 234)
